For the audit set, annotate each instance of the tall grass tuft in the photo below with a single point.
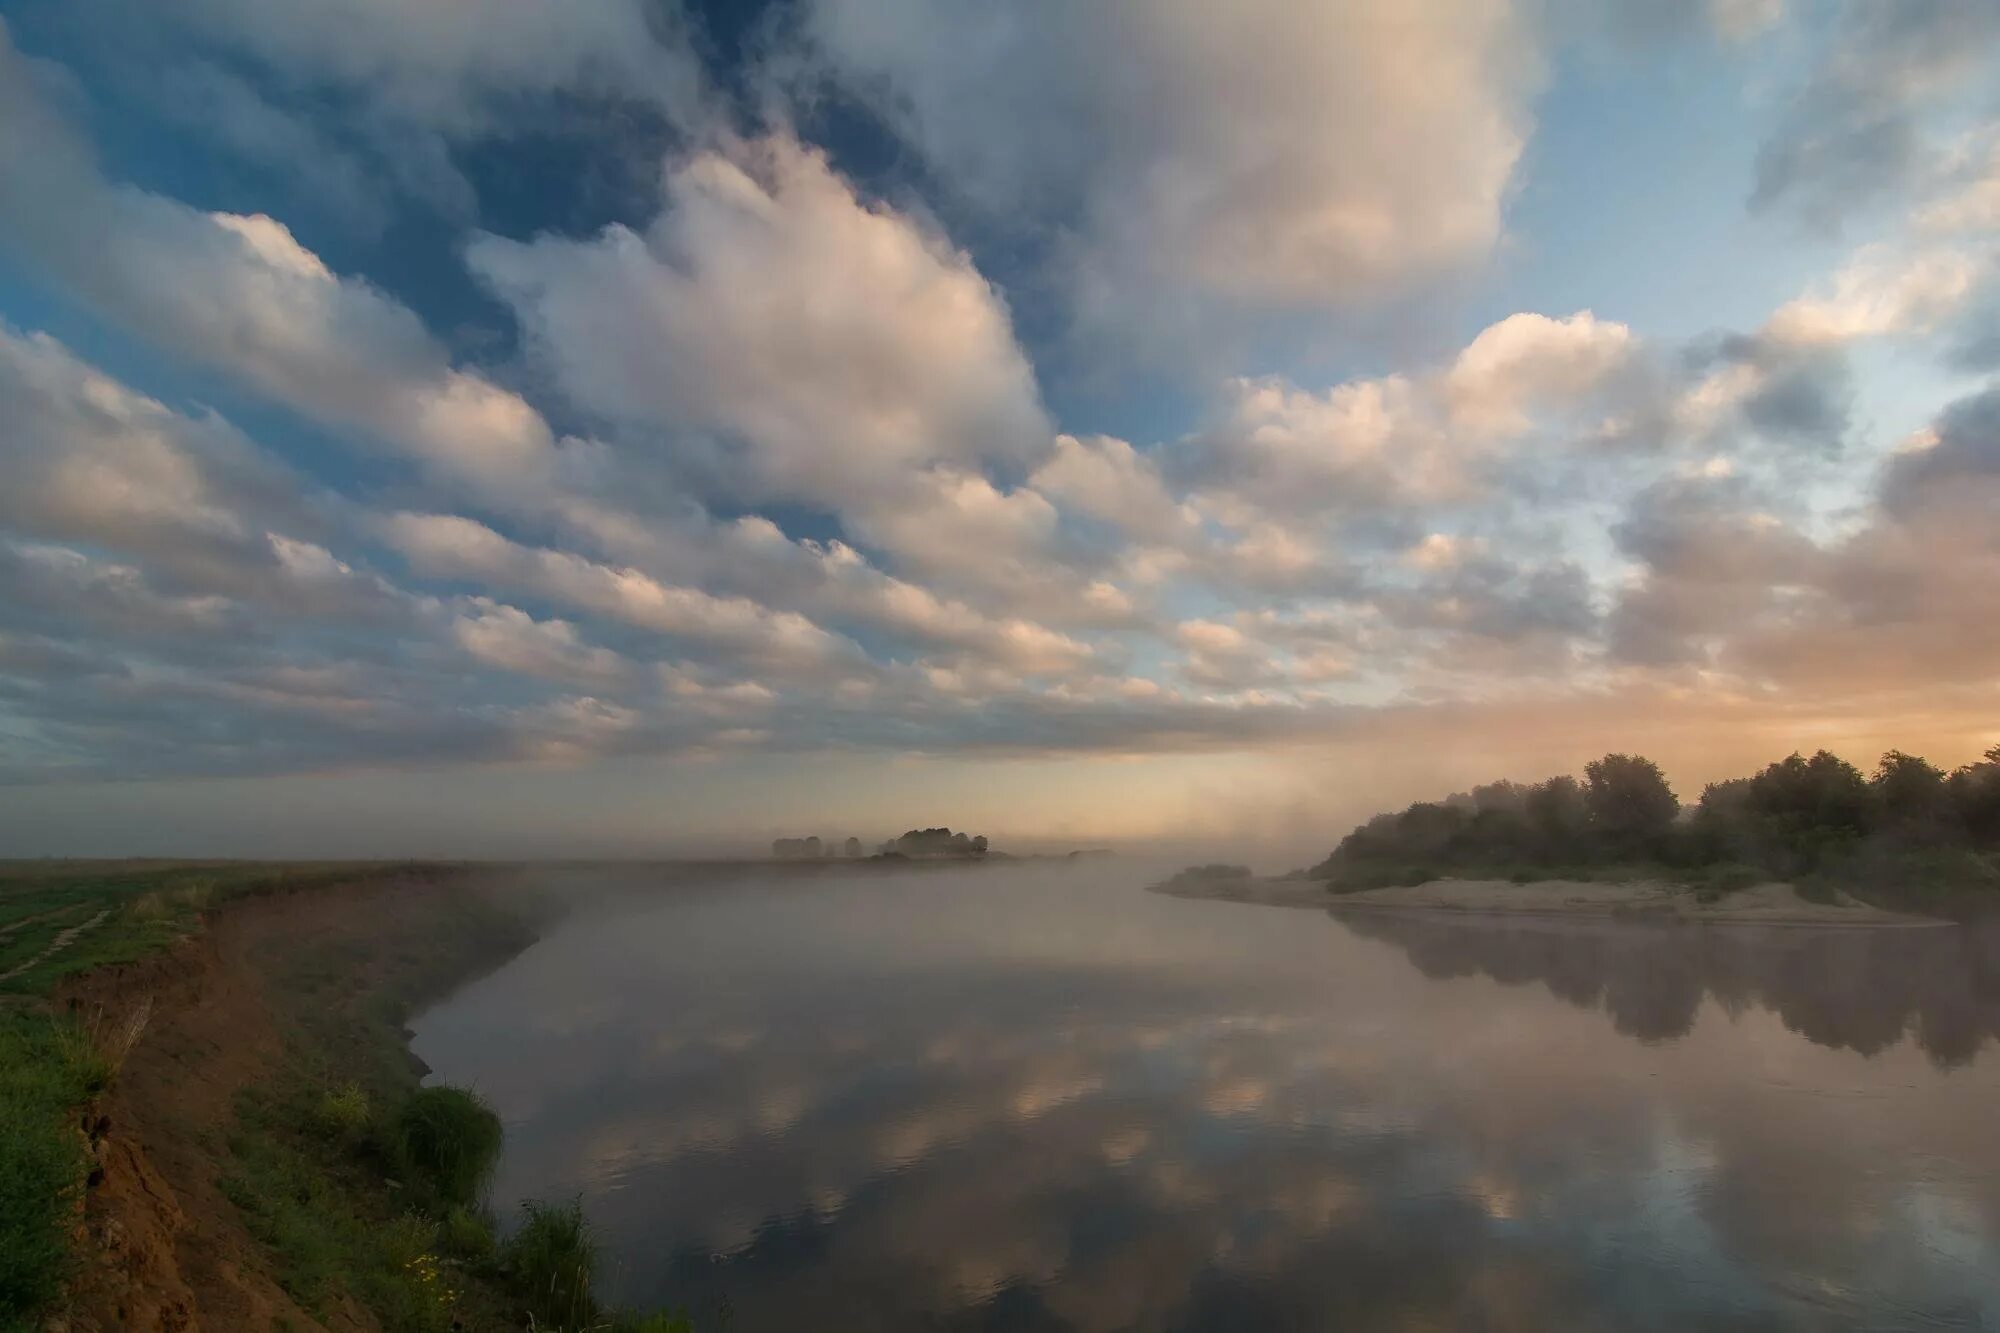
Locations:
(96, 1043)
(344, 1114)
(548, 1264)
(450, 1138)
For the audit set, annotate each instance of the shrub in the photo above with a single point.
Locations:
(343, 1113)
(449, 1139)
(1729, 877)
(467, 1234)
(408, 1282)
(549, 1262)
(95, 1045)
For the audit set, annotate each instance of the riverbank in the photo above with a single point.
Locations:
(227, 1009)
(1770, 904)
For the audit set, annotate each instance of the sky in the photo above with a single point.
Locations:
(514, 427)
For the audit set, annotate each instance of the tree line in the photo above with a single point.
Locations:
(1815, 819)
(917, 844)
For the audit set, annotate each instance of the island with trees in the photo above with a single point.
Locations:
(926, 844)
(1793, 840)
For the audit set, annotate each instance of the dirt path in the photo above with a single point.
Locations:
(62, 941)
(7, 930)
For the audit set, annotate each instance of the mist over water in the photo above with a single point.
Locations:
(1034, 1098)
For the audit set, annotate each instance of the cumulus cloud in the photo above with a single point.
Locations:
(443, 545)
(1372, 452)
(240, 293)
(1901, 604)
(508, 637)
(1273, 154)
(814, 497)
(831, 346)
(449, 64)
(1856, 131)
(1881, 290)
(91, 462)
(1515, 371)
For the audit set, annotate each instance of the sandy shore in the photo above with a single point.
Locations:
(1763, 905)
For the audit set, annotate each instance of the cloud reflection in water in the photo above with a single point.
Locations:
(1030, 1100)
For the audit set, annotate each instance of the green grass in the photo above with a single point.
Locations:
(51, 1067)
(316, 1202)
(361, 1186)
(146, 907)
(449, 1139)
(42, 1159)
(549, 1264)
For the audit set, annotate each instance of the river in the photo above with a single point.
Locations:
(1042, 1099)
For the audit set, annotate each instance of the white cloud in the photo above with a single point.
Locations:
(1882, 290)
(508, 637)
(1110, 480)
(1268, 152)
(1529, 362)
(448, 546)
(241, 294)
(833, 347)
(446, 62)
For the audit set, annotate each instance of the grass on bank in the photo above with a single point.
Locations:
(424, 1256)
(42, 1159)
(57, 919)
(309, 1175)
(122, 912)
(363, 1187)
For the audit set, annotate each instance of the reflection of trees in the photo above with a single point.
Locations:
(1855, 989)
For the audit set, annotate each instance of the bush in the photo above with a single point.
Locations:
(467, 1234)
(450, 1140)
(1729, 877)
(343, 1113)
(95, 1044)
(407, 1282)
(549, 1263)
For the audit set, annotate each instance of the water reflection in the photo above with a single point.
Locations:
(1860, 990)
(1044, 1102)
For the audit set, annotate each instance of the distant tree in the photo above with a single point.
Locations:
(1628, 797)
(1910, 793)
(853, 848)
(1975, 798)
(1818, 817)
(938, 842)
(1556, 811)
(1824, 792)
(810, 847)
(1808, 813)
(979, 845)
(1503, 795)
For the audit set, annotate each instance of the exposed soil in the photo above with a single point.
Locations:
(161, 1247)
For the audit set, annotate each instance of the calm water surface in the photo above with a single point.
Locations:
(1023, 1099)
